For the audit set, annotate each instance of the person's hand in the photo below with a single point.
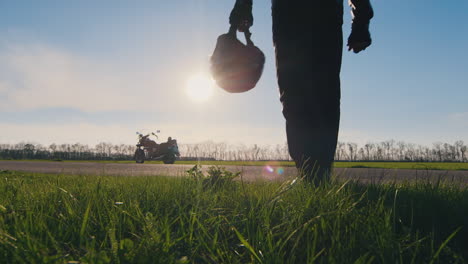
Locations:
(241, 16)
(359, 39)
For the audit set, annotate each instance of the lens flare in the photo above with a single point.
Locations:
(280, 171)
(273, 169)
(269, 169)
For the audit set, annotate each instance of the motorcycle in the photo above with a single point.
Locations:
(148, 149)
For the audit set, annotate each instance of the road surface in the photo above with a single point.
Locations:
(249, 173)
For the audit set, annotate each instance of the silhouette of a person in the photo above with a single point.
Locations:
(308, 40)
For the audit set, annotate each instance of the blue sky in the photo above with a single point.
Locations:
(91, 71)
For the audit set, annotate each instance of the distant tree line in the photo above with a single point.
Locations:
(392, 150)
(389, 150)
(101, 151)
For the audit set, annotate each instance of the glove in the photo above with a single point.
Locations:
(359, 39)
(241, 15)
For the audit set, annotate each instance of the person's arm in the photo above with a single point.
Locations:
(241, 15)
(362, 12)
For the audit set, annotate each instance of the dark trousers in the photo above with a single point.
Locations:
(308, 41)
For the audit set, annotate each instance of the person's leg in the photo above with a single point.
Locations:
(308, 58)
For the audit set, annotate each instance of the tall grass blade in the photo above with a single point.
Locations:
(85, 220)
(444, 244)
(247, 245)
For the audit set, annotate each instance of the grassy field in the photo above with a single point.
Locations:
(211, 219)
(340, 164)
(406, 165)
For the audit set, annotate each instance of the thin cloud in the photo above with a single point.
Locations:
(87, 133)
(461, 116)
(40, 76)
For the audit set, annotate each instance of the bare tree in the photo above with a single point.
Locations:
(352, 147)
(369, 147)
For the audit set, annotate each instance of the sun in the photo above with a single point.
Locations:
(199, 87)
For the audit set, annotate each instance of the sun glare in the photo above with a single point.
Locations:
(199, 87)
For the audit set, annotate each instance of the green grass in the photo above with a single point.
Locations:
(383, 165)
(406, 165)
(102, 219)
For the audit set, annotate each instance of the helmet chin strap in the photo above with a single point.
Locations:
(233, 32)
(247, 35)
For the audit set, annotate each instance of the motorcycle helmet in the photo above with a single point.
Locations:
(236, 67)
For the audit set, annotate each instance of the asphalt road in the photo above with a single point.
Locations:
(249, 173)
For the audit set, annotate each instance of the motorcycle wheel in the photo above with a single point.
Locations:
(169, 160)
(139, 156)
